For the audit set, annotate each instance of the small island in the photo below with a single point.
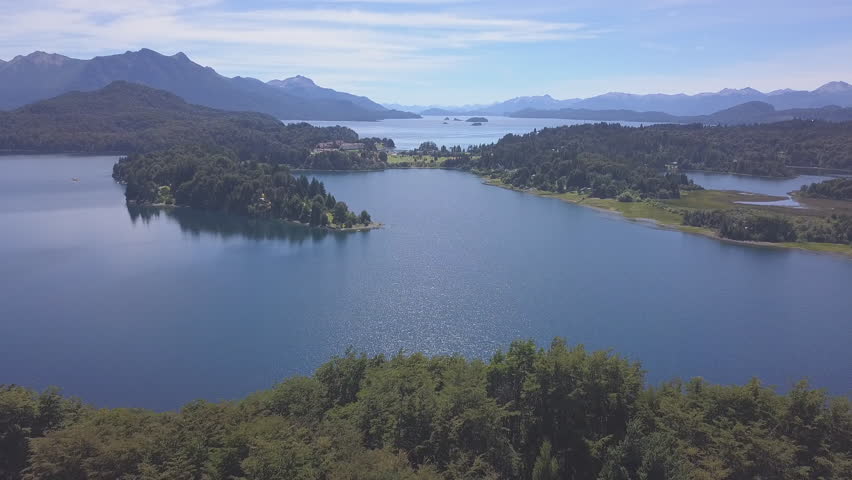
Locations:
(477, 120)
(213, 179)
(476, 124)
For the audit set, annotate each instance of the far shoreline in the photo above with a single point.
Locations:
(835, 249)
(354, 228)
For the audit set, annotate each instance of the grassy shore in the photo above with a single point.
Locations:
(668, 213)
(416, 160)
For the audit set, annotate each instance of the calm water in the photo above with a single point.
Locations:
(780, 187)
(134, 308)
(410, 133)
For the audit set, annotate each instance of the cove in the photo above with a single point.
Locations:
(127, 307)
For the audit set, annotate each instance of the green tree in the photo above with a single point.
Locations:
(546, 467)
(340, 212)
(540, 413)
(317, 212)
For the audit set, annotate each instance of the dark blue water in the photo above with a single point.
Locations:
(134, 308)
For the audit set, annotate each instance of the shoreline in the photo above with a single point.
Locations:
(752, 175)
(360, 228)
(844, 251)
(769, 177)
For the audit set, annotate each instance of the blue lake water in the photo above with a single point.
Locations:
(134, 308)
(409, 133)
(780, 187)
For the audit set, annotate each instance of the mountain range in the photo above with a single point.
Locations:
(40, 75)
(745, 113)
(304, 87)
(832, 93)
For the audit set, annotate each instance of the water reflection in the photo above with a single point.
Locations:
(198, 222)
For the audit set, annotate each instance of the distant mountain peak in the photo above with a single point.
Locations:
(41, 75)
(41, 58)
(616, 95)
(752, 106)
(740, 91)
(781, 91)
(146, 53)
(528, 98)
(304, 87)
(299, 81)
(834, 87)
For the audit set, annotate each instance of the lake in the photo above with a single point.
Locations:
(409, 133)
(127, 307)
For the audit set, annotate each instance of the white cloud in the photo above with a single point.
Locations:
(348, 41)
(440, 49)
(419, 20)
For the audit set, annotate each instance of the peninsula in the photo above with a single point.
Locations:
(639, 172)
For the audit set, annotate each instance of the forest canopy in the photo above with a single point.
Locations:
(528, 413)
(216, 180)
(836, 189)
(582, 156)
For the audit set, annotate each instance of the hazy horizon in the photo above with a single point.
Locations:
(448, 52)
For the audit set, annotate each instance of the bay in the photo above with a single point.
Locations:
(152, 308)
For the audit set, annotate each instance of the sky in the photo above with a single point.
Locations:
(455, 52)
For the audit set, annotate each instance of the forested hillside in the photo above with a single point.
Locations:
(837, 189)
(528, 413)
(581, 156)
(129, 118)
(219, 181)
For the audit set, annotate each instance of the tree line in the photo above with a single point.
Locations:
(611, 158)
(528, 413)
(217, 180)
(836, 189)
(129, 118)
(751, 225)
(583, 158)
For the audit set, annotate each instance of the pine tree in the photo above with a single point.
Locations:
(546, 467)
